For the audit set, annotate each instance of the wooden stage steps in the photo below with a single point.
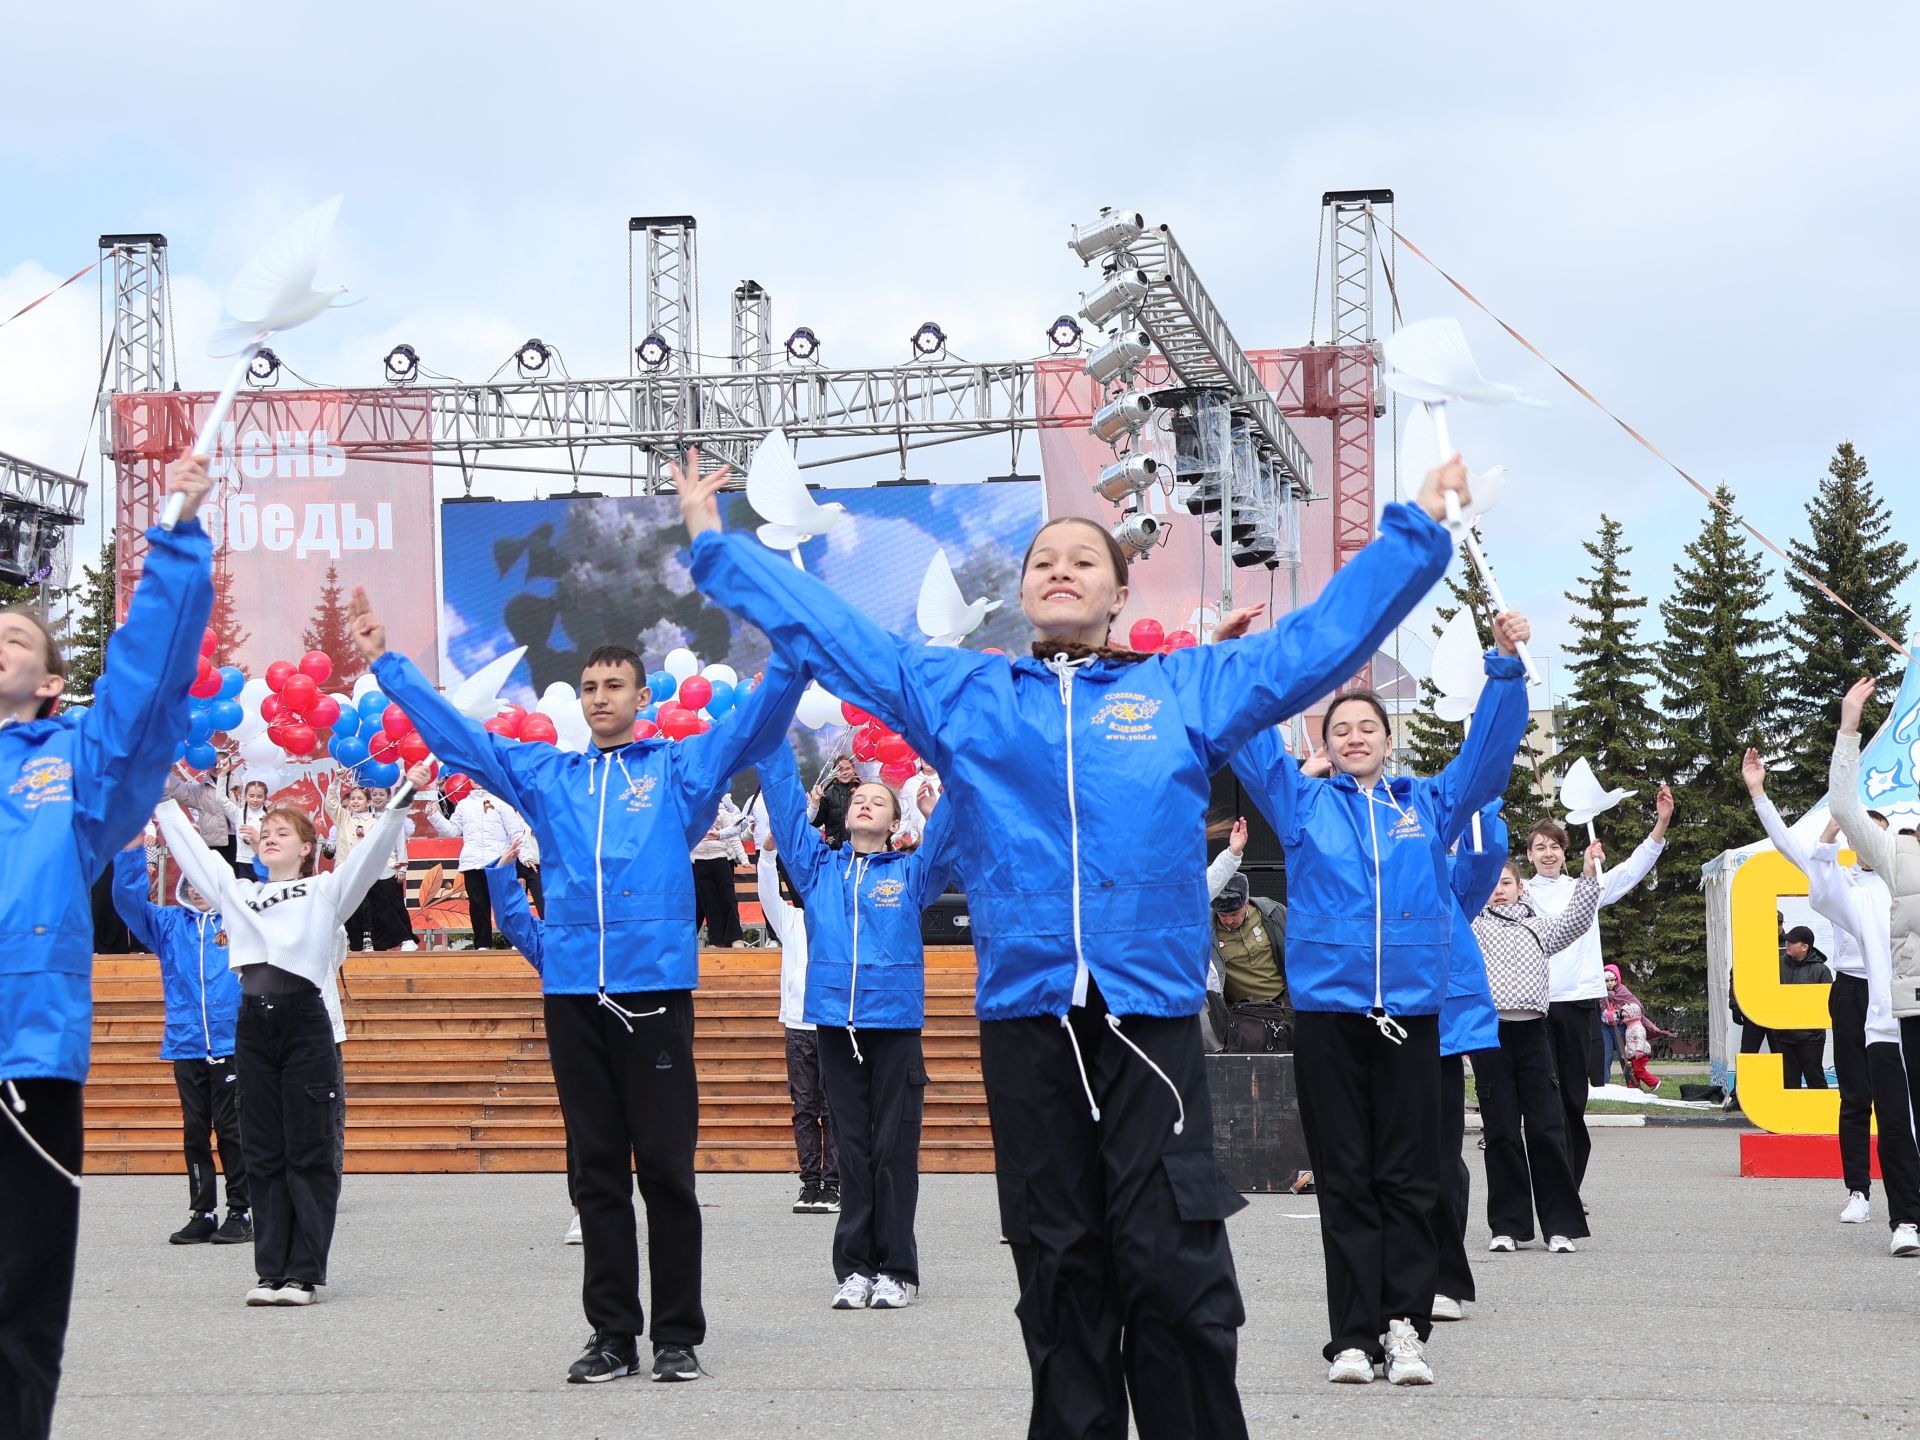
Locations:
(447, 1069)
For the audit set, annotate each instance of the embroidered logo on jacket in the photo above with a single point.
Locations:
(886, 895)
(1407, 827)
(43, 780)
(1127, 716)
(639, 795)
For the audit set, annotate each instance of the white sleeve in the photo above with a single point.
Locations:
(347, 884)
(205, 871)
(448, 828)
(1843, 795)
(236, 817)
(1224, 867)
(767, 886)
(1622, 878)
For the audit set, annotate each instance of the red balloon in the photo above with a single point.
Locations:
(209, 642)
(893, 750)
(206, 685)
(993, 650)
(645, 730)
(515, 717)
(385, 748)
(316, 666)
(1181, 640)
(278, 674)
(677, 723)
(854, 714)
(323, 712)
(299, 693)
(394, 721)
(539, 729)
(413, 749)
(865, 745)
(695, 692)
(1146, 635)
(299, 740)
(897, 773)
(272, 707)
(505, 726)
(458, 787)
(277, 732)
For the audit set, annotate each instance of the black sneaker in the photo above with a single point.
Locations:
(830, 1199)
(198, 1230)
(809, 1200)
(237, 1231)
(675, 1362)
(608, 1356)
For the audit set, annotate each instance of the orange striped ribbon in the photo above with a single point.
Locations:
(32, 304)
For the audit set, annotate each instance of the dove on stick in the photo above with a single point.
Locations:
(1458, 671)
(945, 614)
(1585, 797)
(779, 495)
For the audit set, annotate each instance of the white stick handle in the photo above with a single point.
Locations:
(1437, 413)
(1593, 839)
(1479, 841)
(210, 428)
(1499, 601)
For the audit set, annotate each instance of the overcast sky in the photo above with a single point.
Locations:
(1705, 212)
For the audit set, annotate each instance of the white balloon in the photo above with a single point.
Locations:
(681, 663)
(361, 686)
(817, 708)
(562, 706)
(262, 752)
(250, 696)
(721, 674)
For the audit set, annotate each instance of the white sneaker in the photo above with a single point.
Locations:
(1445, 1307)
(854, 1293)
(1351, 1367)
(407, 947)
(574, 1237)
(262, 1294)
(1856, 1210)
(1906, 1241)
(892, 1294)
(294, 1293)
(1501, 1245)
(1406, 1359)
(1559, 1245)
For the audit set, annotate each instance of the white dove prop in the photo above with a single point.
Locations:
(1585, 797)
(1458, 670)
(273, 292)
(478, 696)
(780, 497)
(1430, 363)
(946, 616)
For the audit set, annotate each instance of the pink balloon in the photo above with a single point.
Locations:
(299, 694)
(1146, 636)
(316, 665)
(1181, 640)
(323, 712)
(539, 729)
(695, 692)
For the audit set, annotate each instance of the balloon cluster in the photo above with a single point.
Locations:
(1149, 638)
(874, 740)
(515, 722)
(687, 699)
(374, 737)
(213, 707)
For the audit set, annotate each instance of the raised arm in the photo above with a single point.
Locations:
(801, 847)
(460, 743)
(514, 915)
(703, 764)
(347, 884)
(205, 871)
(1224, 867)
(1272, 778)
(1869, 841)
(1473, 874)
(1622, 878)
(130, 896)
(1571, 923)
(443, 825)
(1479, 772)
(939, 851)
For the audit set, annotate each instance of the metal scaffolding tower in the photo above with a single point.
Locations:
(1349, 374)
(138, 341)
(752, 350)
(671, 270)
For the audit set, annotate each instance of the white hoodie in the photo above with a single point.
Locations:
(1578, 972)
(792, 925)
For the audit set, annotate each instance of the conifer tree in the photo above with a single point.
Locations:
(328, 632)
(91, 619)
(230, 637)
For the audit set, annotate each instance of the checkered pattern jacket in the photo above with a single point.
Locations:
(1517, 939)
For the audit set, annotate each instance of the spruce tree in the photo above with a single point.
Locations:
(225, 624)
(1721, 666)
(1850, 548)
(327, 631)
(92, 618)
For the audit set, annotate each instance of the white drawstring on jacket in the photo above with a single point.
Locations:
(625, 1016)
(15, 1108)
(1080, 1060)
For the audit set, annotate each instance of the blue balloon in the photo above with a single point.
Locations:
(383, 777)
(347, 724)
(199, 727)
(225, 714)
(663, 685)
(725, 697)
(648, 712)
(372, 704)
(232, 682)
(348, 750)
(180, 751)
(202, 756)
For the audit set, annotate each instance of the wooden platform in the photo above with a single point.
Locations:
(447, 1068)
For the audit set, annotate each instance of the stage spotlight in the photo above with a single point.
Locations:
(653, 352)
(532, 357)
(1139, 533)
(1122, 415)
(1126, 477)
(1119, 293)
(929, 340)
(264, 368)
(802, 345)
(1118, 356)
(402, 365)
(1064, 333)
(1112, 230)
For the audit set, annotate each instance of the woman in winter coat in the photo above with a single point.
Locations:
(1369, 946)
(1515, 1081)
(1079, 780)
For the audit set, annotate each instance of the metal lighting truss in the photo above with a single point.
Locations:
(752, 348)
(1350, 386)
(27, 486)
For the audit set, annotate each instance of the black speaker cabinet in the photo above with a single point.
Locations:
(1257, 1140)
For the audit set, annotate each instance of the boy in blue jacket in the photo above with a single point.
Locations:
(74, 788)
(615, 826)
(203, 1004)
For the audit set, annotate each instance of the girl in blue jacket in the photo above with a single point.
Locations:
(203, 1001)
(1079, 780)
(866, 996)
(74, 788)
(1369, 939)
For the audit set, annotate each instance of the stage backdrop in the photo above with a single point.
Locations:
(564, 576)
(315, 491)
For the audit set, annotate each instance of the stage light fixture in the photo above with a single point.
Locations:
(1137, 534)
(653, 352)
(1112, 230)
(1122, 415)
(1116, 295)
(402, 365)
(1118, 356)
(802, 345)
(532, 357)
(929, 340)
(1128, 476)
(264, 368)
(1064, 333)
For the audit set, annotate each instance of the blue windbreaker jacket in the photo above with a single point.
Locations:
(615, 826)
(523, 929)
(202, 993)
(866, 965)
(1369, 907)
(76, 787)
(1468, 1021)
(1079, 789)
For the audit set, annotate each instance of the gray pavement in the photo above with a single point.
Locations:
(1705, 1305)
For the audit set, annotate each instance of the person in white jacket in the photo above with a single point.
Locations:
(486, 827)
(1866, 1038)
(245, 815)
(284, 937)
(812, 1128)
(1577, 983)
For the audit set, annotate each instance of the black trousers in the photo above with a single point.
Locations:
(1579, 1060)
(1753, 1038)
(1525, 1126)
(1117, 1226)
(210, 1100)
(1456, 1183)
(1370, 1109)
(876, 1102)
(1889, 1077)
(289, 1102)
(813, 1139)
(41, 1229)
(632, 1109)
(1802, 1062)
(387, 914)
(479, 907)
(1847, 1009)
(714, 902)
